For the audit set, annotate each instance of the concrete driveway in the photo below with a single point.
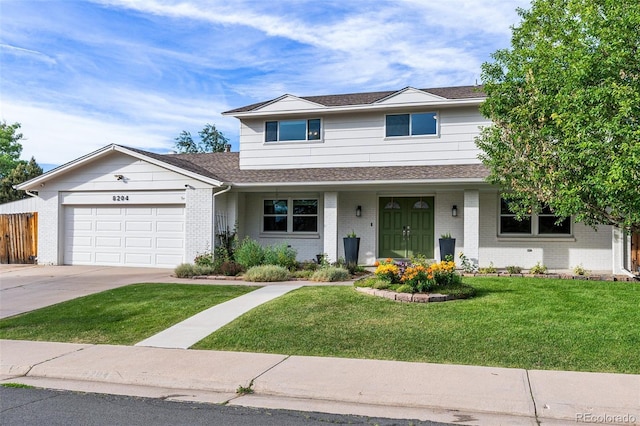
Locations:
(24, 288)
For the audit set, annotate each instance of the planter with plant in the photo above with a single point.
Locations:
(351, 248)
(447, 246)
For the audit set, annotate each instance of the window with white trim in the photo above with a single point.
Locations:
(292, 130)
(287, 215)
(416, 124)
(542, 224)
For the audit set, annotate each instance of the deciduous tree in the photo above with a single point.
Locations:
(211, 140)
(565, 105)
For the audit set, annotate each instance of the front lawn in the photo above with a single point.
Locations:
(122, 316)
(531, 323)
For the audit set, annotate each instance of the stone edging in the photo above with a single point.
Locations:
(407, 297)
(558, 276)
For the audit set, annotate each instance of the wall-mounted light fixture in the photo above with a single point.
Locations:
(358, 211)
(118, 177)
(454, 210)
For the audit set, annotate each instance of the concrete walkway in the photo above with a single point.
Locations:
(459, 394)
(192, 330)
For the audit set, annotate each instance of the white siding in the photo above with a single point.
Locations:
(591, 249)
(359, 140)
(307, 246)
(137, 174)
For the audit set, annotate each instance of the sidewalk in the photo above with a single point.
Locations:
(446, 393)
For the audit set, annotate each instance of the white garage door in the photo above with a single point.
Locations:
(124, 236)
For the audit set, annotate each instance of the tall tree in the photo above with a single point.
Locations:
(22, 172)
(10, 147)
(565, 105)
(211, 140)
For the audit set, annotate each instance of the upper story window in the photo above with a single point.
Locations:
(292, 130)
(543, 223)
(290, 215)
(416, 124)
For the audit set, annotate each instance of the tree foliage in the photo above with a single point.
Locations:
(211, 140)
(13, 171)
(22, 172)
(565, 105)
(10, 147)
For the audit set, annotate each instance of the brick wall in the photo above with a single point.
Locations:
(198, 222)
(50, 220)
(591, 249)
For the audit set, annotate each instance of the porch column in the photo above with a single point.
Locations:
(330, 233)
(472, 224)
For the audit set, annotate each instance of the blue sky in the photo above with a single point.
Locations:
(79, 75)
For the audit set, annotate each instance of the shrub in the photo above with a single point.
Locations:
(488, 270)
(184, 270)
(467, 264)
(579, 270)
(281, 255)
(204, 259)
(230, 268)
(187, 270)
(381, 285)
(220, 255)
(249, 253)
(366, 282)
(405, 288)
(303, 274)
(538, 268)
(514, 269)
(267, 273)
(330, 274)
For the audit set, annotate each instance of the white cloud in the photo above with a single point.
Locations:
(137, 72)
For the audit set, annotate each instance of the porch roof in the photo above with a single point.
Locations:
(226, 166)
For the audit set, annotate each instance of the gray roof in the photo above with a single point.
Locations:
(458, 92)
(225, 165)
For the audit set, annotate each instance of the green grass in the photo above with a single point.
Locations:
(530, 323)
(123, 316)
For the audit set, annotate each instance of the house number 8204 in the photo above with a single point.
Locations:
(120, 198)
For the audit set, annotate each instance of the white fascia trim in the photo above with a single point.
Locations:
(278, 99)
(363, 182)
(35, 182)
(405, 90)
(358, 108)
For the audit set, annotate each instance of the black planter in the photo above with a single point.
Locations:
(351, 249)
(447, 248)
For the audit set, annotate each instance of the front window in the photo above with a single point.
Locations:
(292, 130)
(416, 124)
(543, 223)
(290, 215)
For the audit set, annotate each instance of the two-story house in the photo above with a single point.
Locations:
(397, 168)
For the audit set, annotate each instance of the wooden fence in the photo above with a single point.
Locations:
(18, 238)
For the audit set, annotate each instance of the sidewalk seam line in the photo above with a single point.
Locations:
(535, 406)
(31, 367)
(258, 376)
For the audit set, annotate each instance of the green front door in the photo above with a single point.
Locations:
(406, 227)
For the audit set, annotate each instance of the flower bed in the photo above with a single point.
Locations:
(416, 281)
